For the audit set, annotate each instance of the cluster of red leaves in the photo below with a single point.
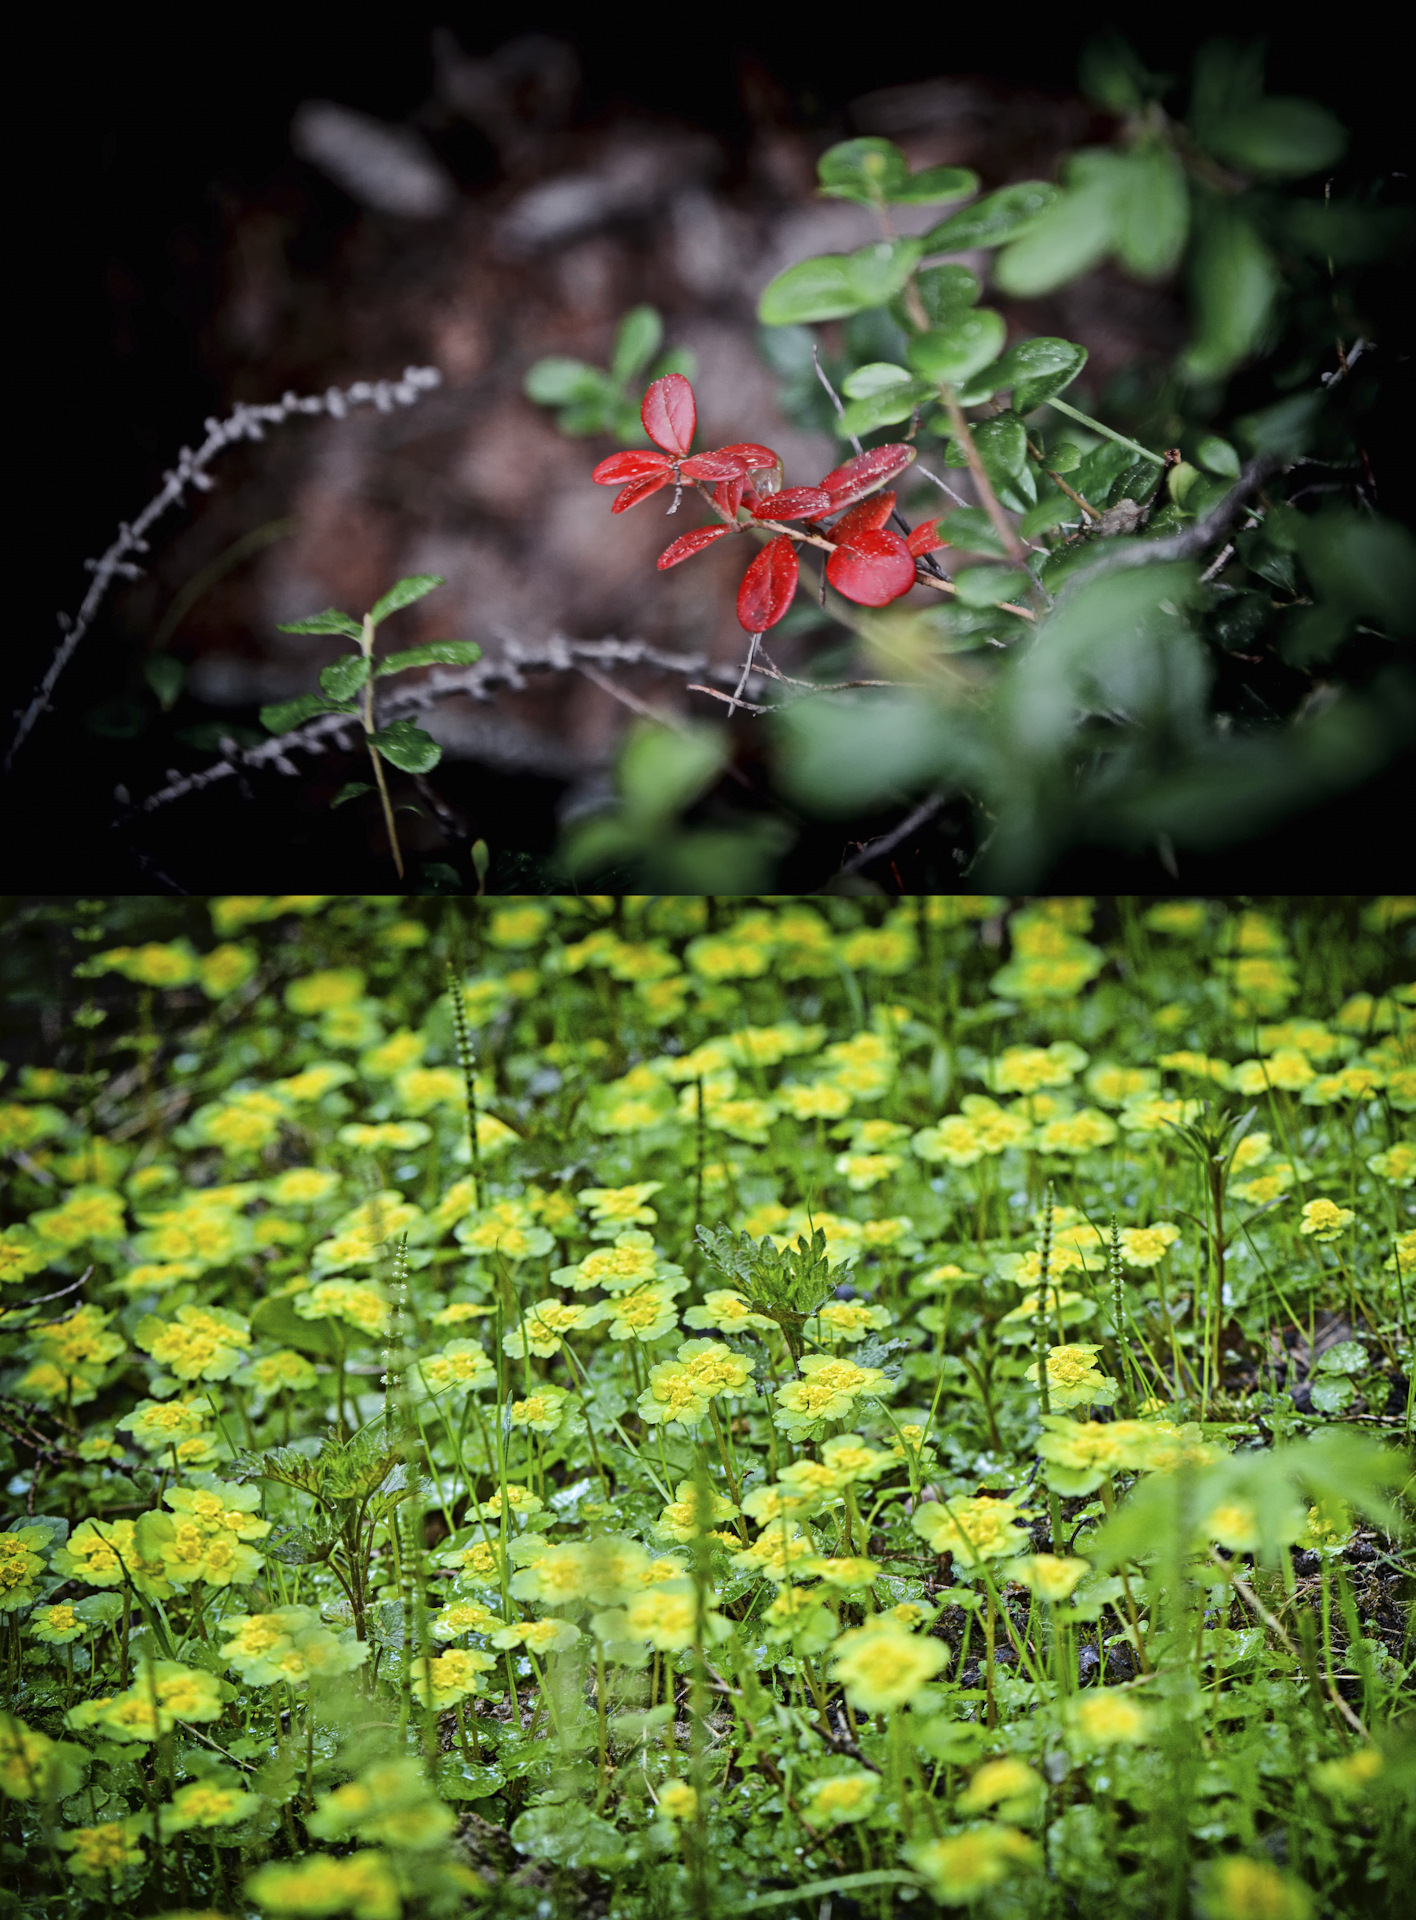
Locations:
(867, 563)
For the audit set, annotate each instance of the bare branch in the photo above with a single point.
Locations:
(887, 843)
(245, 423)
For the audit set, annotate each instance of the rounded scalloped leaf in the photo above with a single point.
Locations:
(635, 465)
(874, 570)
(688, 544)
(638, 490)
(865, 517)
(768, 586)
(867, 471)
(670, 413)
(794, 503)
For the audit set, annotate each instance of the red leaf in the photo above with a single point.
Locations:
(865, 518)
(926, 538)
(688, 544)
(796, 503)
(874, 570)
(670, 414)
(729, 494)
(754, 457)
(711, 466)
(866, 472)
(629, 466)
(638, 490)
(768, 585)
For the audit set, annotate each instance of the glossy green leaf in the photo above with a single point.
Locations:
(1036, 369)
(873, 379)
(989, 222)
(1234, 282)
(407, 746)
(988, 586)
(351, 790)
(330, 621)
(935, 183)
(1053, 510)
(867, 171)
(637, 340)
(837, 284)
(963, 346)
(558, 381)
(971, 531)
(1074, 232)
(433, 653)
(345, 677)
(285, 714)
(884, 408)
(1217, 456)
(403, 593)
(944, 289)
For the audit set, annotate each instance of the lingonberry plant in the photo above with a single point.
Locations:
(1155, 629)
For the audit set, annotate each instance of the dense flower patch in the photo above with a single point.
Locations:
(663, 1406)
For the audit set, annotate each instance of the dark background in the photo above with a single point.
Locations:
(144, 122)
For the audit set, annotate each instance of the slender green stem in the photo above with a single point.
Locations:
(1121, 439)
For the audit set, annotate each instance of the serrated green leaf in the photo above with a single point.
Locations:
(344, 677)
(406, 746)
(1037, 369)
(637, 340)
(351, 790)
(837, 284)
(963, 346)
(285, 714)
(440, 653)
(558, 381)
(403, 593)
(997, 217)
(330, 621)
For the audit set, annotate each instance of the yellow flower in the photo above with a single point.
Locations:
(100, 1851)
(34, 1766)
(841, 1797)
(974, 1530)
(1026, 1069)
(1008, 1784)
(219, 1801)
(1351, 1777)
(1238, 1888)
(623, 1206)
(725, 1308)
(442, 1680)
(678, 1801)
(361, 1884)
(89, 1213)
(961, 1866)
(1107, 1717)
(1049, 1575)
(1325, 1220)
(1073, 1379)
(884, 1667)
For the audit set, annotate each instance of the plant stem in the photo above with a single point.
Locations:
(366, 715)
(1121, 439)
(1002, 525)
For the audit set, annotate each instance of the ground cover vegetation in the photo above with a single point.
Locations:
(657, 1406)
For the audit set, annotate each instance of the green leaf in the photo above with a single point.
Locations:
(1002, 443)
(403, 593)
(867, 171)
(964, 345)
(1217, 456)
(439, 653)
(988, 586)
(330, 621)
(1332, 1396)
(1348, 1356)
(663, 770)
(1285, 429)
(874, 378)
(946, 288)
(1152, 211)
(1364, 564)
(842, 752)
(345, 677)
(677, 360)
(883, 408)
(166, 677)
(350, 791)
(935, 183)
(637, 340)
(1234, 282)
(1000, 216)
(1113, 77)
(275, 1319)
(837, 284)
(1037, 369)
(286, 714)
(559, 382)
(971, 531)
(569, 1836)
(1074, 232)
(1278, 138)
(1051, 511)
(406, 746)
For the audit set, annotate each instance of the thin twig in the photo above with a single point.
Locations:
(245, 423)
(836, 400)
(887, 843)
(1113, 555)
(659, 715)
